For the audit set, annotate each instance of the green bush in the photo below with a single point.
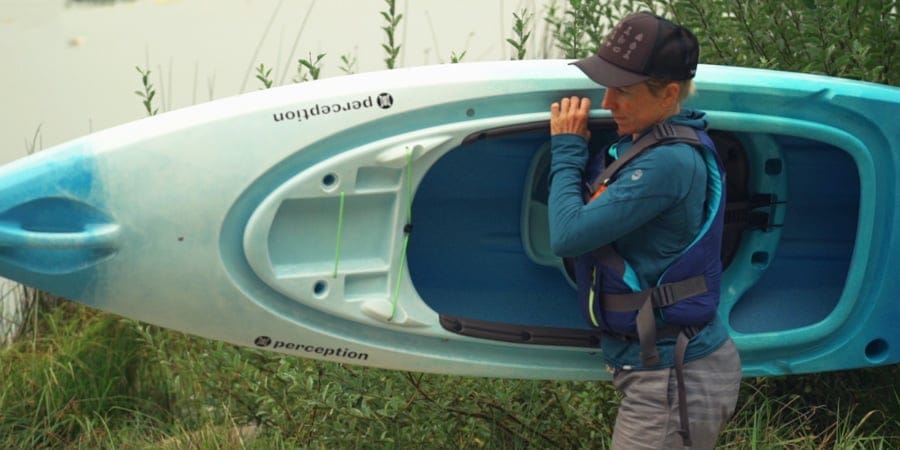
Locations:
(843, 38)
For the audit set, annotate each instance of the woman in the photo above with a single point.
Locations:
(653, 228)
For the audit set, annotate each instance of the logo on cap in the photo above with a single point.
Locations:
(621, 39)
(641, 46)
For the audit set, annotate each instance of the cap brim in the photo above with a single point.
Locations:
(606, 74)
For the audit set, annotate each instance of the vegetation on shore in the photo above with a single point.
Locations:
(78, 378)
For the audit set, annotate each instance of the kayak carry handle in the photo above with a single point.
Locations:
(93, 236)
(56, 235)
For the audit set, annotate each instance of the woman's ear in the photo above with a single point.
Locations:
(671, 94)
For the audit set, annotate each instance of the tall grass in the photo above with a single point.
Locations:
(97, 381)
(147, 92)
(82, 372)
(522, 32)
(392, 21)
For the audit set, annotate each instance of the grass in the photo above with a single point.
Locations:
(392, 20)
(83, 379)
(522, 31)
(147, 93)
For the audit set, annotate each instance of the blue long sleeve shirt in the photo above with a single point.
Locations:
(651, 213)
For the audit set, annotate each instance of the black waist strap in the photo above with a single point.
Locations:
(660, 296)
(665, 332)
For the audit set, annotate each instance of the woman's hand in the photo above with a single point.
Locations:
(570, 116)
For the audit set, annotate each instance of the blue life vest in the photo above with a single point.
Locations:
(686, 296)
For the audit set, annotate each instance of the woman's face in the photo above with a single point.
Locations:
(636, 108)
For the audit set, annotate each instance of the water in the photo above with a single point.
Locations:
(68, 67)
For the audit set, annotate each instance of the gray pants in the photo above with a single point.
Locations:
(648, 416)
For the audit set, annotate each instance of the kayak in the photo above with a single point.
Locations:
(398, 219)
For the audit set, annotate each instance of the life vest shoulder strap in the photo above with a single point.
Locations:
(661, 133)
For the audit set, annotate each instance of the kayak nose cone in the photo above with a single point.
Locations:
(53, 231)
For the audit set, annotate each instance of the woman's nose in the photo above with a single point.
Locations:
(608, 99)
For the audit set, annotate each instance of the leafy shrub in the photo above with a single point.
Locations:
(844, 38)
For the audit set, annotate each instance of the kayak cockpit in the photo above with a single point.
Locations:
(480, 254)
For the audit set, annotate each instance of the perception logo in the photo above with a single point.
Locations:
(323, 352)
(383, 100)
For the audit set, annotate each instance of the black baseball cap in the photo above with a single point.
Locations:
(642, 46)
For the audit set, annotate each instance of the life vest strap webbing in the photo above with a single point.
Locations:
(680, 349)
(660, 296)
(646, 328)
